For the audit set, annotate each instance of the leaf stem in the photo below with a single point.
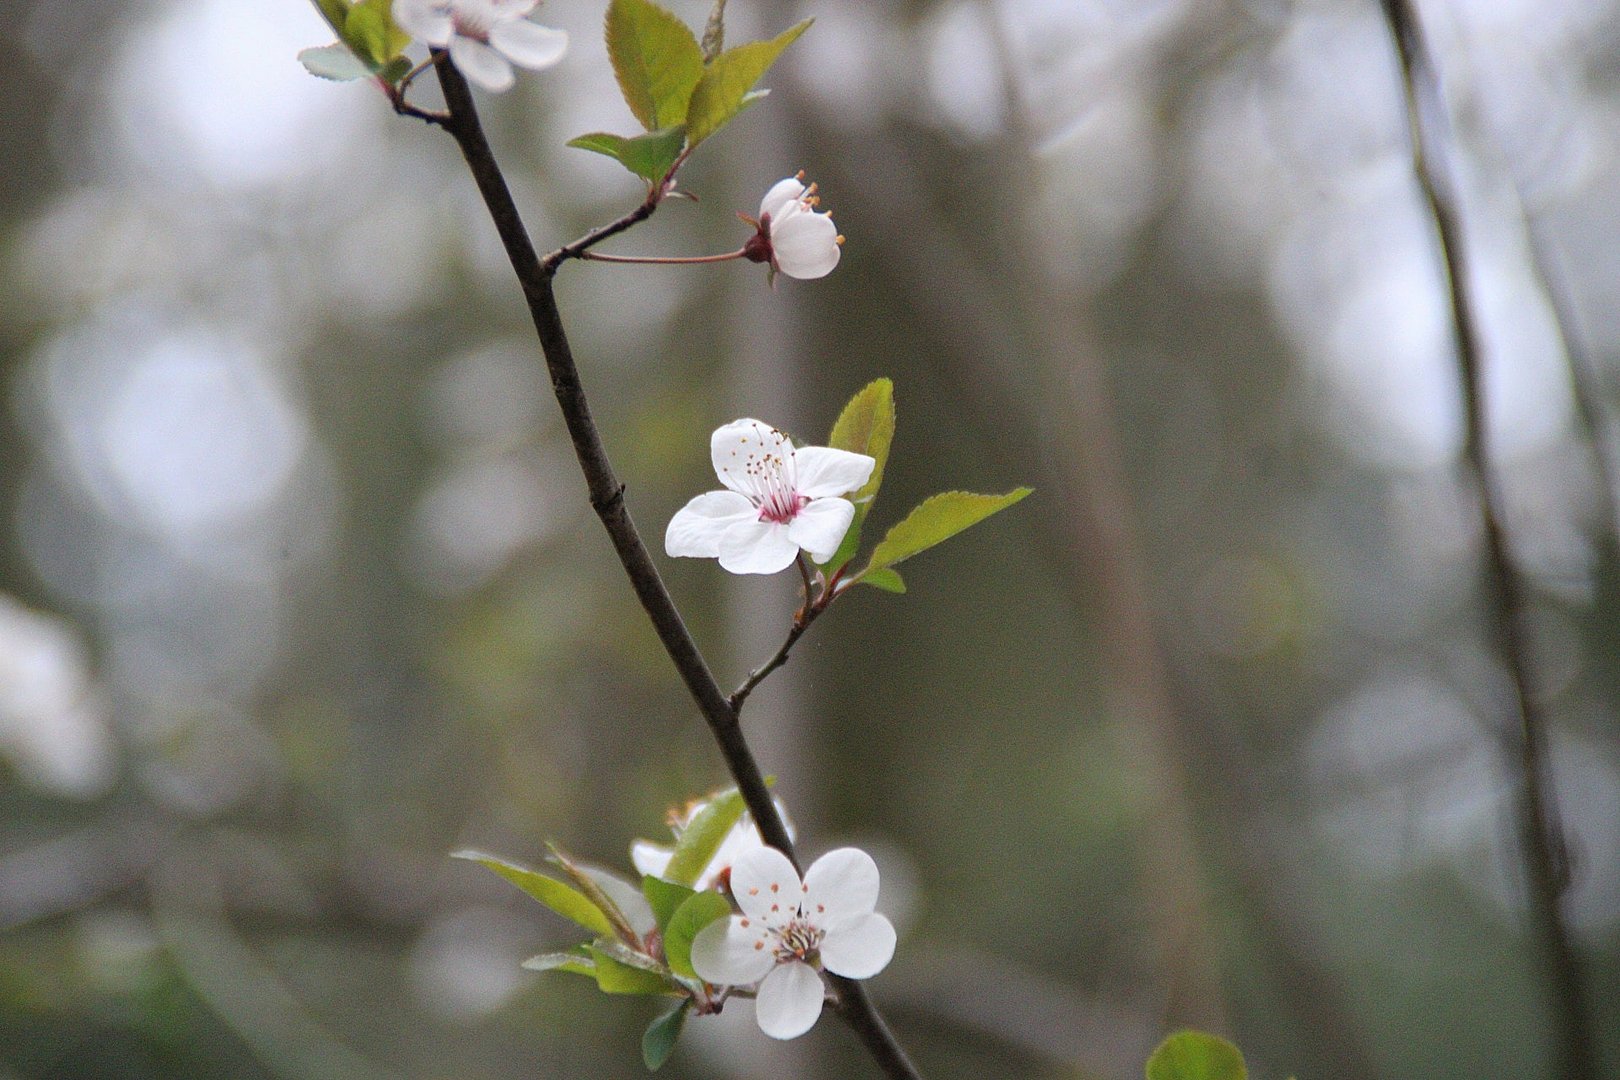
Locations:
(1508, 594)
(607, 499)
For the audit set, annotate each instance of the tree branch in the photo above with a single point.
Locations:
(1507, 592)
(607, 498)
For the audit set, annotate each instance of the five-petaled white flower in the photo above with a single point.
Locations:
(792, 236)
(652, 859)
(485, 37)
(779, 499)
(788, 928)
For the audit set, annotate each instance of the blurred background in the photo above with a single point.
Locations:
(299, 590)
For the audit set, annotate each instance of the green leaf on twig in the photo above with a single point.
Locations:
(699, 911)
(335, 62)
(370, 31)
(886, 579)
(578, 963)
(702, 837)
(657, 61)
(866, 426)
(649, 156)
(936, 519)
(666, 897)
(658, 1042)
(620, 971)
(1196, 1055)
(567, 902)
(722, 92)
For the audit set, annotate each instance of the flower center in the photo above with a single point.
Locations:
(779, 507)
(797, 940)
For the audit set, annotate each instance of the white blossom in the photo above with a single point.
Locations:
(793, 236)
(779, 499)
(790, 929)
(484, 37)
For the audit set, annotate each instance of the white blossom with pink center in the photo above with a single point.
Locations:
(790, 929)
(803, 243)
(780, 499)
(484, 37)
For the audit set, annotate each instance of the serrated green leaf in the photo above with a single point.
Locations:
(649, 156)
(335, 12)
(366, 32)
(720, 94)
(866, 426)
(567, 902)
(618, 971)
(658, 1041)
(394, 39)
(936, 519)
(395, 70)
(591, 885)
(666, 897)
(572, 962)
(1196, 1055)
(333, 62)
(656, 59)
(702, 837)
(699, 911)
(886, 579)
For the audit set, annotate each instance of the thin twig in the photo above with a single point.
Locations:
(663, 260)
(607, 498)
(813, 606)
(1508, 593)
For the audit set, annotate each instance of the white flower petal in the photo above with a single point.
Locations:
(840, 887)
(765, 886)
(789, 1002)
(740, 449)
(428, 21)
(805, 245)
(820, 526)
(528, 44)
(727, 953)
(697, 527)
(649, 859)
(629, 900)
(859, 949)
(782, 194)
(820, 471)
(757, 547)
(481, 64)
(511, 9)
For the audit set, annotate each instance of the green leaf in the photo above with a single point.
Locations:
(720, 93)
(656, 59)
(699, 911)
(702, 837)
(565, 901)
(576, 963)
(333, 62)
(394, 70)
(619, 971)
(335, 12)
(665, 897)
(649, 156)
(592, 888)
(866, 426)
(394, 40)
(938, 518)
(886, 579)
(658, 1041)
(1195, 1055)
